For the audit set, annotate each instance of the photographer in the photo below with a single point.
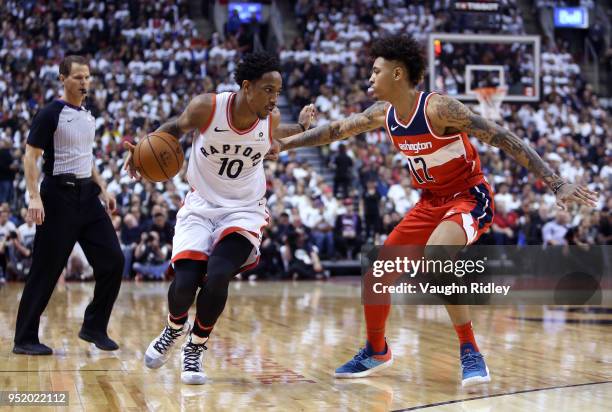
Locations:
(6, 227)
(300, 258)
(151, 258)
(18, 257)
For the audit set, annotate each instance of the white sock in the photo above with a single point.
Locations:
(198, 340)
(174, 325)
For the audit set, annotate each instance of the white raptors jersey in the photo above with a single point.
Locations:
(226, 164)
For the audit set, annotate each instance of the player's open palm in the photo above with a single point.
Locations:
(307, 115)
(572, 193)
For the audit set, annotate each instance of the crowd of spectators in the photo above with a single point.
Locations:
(147, 60)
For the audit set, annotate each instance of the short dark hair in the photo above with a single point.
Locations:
(254, 65)
(405, 49)
(66, 64)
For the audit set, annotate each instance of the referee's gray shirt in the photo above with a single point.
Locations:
(66, 134)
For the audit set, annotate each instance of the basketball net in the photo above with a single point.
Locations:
(490, 99)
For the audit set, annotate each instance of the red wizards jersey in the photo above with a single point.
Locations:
(442, 164)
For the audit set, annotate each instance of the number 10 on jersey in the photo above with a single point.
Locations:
(231, 167)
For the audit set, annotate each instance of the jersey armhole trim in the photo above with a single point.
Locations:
(212, 114)
(270, 128)
(387, 124)
(451, 136)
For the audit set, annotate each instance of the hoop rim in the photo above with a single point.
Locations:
(490, 91)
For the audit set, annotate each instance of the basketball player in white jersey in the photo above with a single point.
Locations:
(218, 229)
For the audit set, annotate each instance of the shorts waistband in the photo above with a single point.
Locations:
(453, 191)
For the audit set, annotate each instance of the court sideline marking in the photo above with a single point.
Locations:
(431, 405)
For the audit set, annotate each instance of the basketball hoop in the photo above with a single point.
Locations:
(490, 99)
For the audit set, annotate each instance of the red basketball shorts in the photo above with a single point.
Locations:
(472, 209)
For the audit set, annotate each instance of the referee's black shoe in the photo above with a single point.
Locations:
(32, 349)
(101, 340)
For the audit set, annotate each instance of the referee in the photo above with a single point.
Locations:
(67, 210)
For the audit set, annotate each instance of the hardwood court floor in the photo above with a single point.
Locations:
(277, 344)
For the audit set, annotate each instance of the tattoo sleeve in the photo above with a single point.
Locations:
(171, 126)
(369, 119)
(455, 115)
(284, 130)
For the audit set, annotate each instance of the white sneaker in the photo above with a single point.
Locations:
(192, 372)
(159, 349)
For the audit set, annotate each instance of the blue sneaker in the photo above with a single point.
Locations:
(365, 363)
(473, 367)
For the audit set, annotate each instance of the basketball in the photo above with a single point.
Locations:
(158, 157)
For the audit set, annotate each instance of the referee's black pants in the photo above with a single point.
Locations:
(72, 213)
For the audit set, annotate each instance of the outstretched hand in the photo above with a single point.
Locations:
(572, 193)
(307, 115)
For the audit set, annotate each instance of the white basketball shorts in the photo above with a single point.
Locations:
(200, 225)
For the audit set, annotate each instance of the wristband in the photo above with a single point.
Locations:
(556, 189)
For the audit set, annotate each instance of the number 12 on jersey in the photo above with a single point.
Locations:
(417, 177)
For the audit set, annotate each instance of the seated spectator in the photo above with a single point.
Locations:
(78, 267)
(130, 234)
(322, 231)
(282, 229)
(164, 229)
(604, 236)
(504, 226)
(27, 230)
(403, 197)
(151, 258)
(18, 257)
(270, 264)
(531, 223)
(6, 224)
(300, 258)
(347, 232)
(553, 232)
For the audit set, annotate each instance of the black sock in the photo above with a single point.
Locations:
(178, 320)
(200, 330)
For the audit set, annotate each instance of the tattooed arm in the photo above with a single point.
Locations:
(307, 114)
(195, 116)
(280, 131)
(448, 115)
(371, 118)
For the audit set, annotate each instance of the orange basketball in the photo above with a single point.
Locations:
(158, 157)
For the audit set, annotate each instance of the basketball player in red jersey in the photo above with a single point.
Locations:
(218, 229)
(456, 205)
